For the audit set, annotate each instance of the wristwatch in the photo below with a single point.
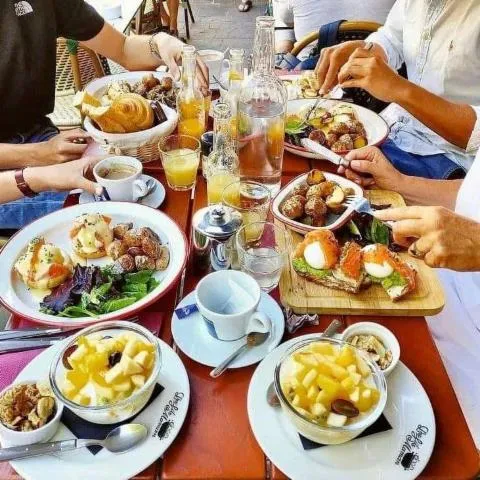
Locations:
(154, 47)
(22, 185)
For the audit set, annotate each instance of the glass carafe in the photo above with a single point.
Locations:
(235, 80)
(222, 163)
(190, 101)
(261, 114)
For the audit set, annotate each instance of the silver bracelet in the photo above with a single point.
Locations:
(154, 47)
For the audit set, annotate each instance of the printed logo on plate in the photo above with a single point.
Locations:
(167, 419)
(408, 456)
(22, 8)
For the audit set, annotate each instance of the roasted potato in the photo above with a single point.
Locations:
(315, 177)
(293, 207)
(339, 128)
(162, 262)
(133, 238)
(126, 263)
(142, 262)
(317, 136)
(360, 142)
(322, 190)
(135, 251)
(147, 232)
(315, 207)
(151, 247)
(336, 199)
(319, 221)
(116, 249)
(300, 189)
(121, 229)
(330, 139)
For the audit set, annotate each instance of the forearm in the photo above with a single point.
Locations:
(452, 121)
(424, 191)
(18, 156)
(283, 46)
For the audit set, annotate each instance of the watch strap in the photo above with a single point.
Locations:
(22, 185)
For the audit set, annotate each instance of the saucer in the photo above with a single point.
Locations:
(154, 199)
(192, 337)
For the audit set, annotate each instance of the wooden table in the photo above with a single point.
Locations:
(216, 441)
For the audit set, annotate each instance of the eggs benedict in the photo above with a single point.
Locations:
(91, 235)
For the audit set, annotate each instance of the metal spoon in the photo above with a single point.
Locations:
(151, 187)
(119, 440)
(331, 330)
(253, 340)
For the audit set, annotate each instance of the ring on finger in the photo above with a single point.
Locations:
(415, 252)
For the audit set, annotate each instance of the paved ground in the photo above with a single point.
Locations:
(219, 25)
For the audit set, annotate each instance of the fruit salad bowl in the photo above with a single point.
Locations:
(107, 373)
(329, 390)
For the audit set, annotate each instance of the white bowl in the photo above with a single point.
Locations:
(334, 221)
(12, 438)
(384, 335)
(375, 126)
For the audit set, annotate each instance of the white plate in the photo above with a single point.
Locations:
(192, 337)
(294, 78)
(375, 126)
(378, 456)
(333, 221)
(154, 199)
(81, 464)
(55, 228)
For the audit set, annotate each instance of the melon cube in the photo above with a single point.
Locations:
(131, 348)
(69, 389)
(363, 367)
(104, 394)
(355, 395)
(138, 380)
(356, 377)
(335, 420)
(328, 384)
(318, 409)
(309, 378)
(303, 412)
(129, 367)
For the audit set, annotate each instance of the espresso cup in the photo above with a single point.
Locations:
(120, 176)
(228, 301)
(213, 60)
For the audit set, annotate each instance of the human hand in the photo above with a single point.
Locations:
(331, 61)
(365, 69)
(61, 148)
(170, 49)
(368, 166)
(64, 176)
(441, 237)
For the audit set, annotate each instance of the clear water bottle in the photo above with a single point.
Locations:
(261, 114)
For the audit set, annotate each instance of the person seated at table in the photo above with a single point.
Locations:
(295, 19)
(16, 184)
(447, 236)
(435, 126)
(28, 33)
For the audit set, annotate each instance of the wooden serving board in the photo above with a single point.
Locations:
(303, 296)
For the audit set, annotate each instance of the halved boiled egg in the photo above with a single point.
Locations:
(377, 261)
(315, 256)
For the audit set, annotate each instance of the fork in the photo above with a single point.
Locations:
(359, 204)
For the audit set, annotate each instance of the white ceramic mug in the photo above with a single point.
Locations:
(127, 189)
(228, 301)
(213, 60)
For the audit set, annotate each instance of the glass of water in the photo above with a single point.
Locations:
(263, 251)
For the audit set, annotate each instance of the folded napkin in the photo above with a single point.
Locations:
(13, 363)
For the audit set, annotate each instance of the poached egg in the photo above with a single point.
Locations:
(376, 261)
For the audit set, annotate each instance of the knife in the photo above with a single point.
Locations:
(9, 346)
(325, 152)
(29, 333)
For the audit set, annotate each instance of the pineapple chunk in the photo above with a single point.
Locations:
(82, 399)
(131, 348)
(363, 368)
(346, 357)
(352, 369)
(69, 389)
(123, 386)
(129, 367)
(365, 400)
(348, 385)
(356, 377)
(312, 392)
(318, 409)
(338, 371)
(324, 398)
(78, 354)
(335, 420)
(142, 358)
(330, 386)
(77, 377)
(322, 347)
(309, 378)
(138, 380)
(303, 412)
(355, 395)
(307, 359)
(114, 373)
(103, 393)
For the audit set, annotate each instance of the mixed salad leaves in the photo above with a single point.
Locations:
(93, 291)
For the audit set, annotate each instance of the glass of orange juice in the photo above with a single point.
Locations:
(180, 156)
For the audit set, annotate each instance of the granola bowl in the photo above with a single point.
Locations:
(27, 418)
(101, 374)
(365, 335)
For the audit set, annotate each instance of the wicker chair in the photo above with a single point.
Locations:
(349, 30)
(76, 66)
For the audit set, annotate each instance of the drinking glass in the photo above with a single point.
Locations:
(180, 155)
(263, 251)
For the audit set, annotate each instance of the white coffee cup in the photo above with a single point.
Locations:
(128, 188)
(213, 60)
(228, 301)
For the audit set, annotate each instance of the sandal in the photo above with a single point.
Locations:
(245, 6)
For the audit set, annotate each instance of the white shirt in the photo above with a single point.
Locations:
(307, 16)
(456, 330)
(439, 41)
